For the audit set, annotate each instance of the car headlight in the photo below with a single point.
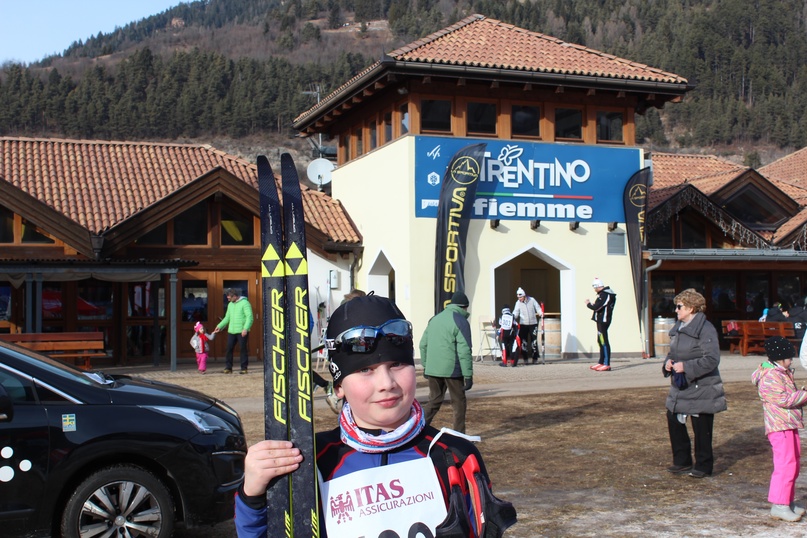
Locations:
(201, 420)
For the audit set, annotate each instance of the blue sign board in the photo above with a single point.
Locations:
(531, 181)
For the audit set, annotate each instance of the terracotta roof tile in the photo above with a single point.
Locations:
(100, 184)
(479, 42)
(790, 168)
(794, 223)
(674, 169)
(482, 42)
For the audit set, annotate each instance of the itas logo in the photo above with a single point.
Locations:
(342, 508)
(375, 499)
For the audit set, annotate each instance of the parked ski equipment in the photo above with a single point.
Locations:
(543, 335)
(293, 505)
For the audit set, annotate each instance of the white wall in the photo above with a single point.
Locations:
(377, 190)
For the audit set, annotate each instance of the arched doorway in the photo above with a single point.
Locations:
(542, 277)
(381, 277)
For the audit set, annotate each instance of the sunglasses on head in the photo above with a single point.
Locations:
(363, 339)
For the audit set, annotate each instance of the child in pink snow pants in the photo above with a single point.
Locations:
(200, 344)
(782, 403)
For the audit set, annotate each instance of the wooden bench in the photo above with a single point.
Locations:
(751, 335)
(77, 348)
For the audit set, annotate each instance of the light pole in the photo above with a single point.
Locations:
(316, 91)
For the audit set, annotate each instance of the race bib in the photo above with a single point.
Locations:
(393, 501)
(506, 322)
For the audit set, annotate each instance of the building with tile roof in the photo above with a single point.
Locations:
(557, 122)
(150, 233)
(555, 119)
(732, 232)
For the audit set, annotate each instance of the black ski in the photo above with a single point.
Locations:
(305, 498)
(275, 362)
(294, 504)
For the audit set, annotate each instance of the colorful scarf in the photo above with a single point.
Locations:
(358, 439)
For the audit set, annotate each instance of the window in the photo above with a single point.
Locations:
(617, 245)
(373, 129)
(481, 118)
(357, 134)
(20, 390)
(693, 232)
(236, 229)
(194, 300)
(157, 236)
(5, 302)
(569, 123)
(140, 302)
(387, 126)
(661, 236)
(403, 110)
(756, 294)
(6, 225)
(190, 228)
(435, 115)
(52, 305)
(724, 292)
(663, 293)
(346, 146)
(95, 299)
(31, 234)
(609, 126)
(755, 209)
(525, 120)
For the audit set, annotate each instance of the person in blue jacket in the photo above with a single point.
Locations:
(381, 426)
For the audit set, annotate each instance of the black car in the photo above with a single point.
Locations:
(83, 453)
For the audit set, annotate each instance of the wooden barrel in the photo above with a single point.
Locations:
(552, 337)
(661, 336)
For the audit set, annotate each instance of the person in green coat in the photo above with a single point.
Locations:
(238, 321)
(447, 358)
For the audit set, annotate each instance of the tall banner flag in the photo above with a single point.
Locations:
(453, 214)
(635, 202)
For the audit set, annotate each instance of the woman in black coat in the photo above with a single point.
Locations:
(696, 390)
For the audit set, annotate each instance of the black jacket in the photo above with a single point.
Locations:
(603, 307)
(798, 315)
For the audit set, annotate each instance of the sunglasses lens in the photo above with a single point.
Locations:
(363, 339)
(358, 340)
(397, 332)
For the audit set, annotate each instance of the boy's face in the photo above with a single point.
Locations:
(380, 395)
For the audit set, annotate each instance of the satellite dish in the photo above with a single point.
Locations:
(319, 171)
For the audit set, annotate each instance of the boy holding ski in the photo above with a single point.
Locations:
(383, 469)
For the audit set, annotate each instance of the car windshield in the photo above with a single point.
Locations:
(60, 368)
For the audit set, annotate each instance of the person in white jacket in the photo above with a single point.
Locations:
(527, 312)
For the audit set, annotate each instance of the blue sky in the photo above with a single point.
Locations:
(33, 29)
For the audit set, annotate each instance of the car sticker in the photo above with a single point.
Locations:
(7, 471)
(69, 423)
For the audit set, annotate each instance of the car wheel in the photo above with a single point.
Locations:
(123, 500)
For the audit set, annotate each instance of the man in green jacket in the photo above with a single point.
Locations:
(447, 358)
(239, 321)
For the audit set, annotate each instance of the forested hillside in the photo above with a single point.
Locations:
(240, 67)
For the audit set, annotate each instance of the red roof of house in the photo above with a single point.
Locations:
(99, 184)
(790, 168)
(494, 47)
(483, 42)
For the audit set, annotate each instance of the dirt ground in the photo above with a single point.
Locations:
(591, 463)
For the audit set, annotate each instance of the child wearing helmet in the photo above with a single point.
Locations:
(382, 469)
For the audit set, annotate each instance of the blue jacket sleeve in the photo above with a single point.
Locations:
(249, 523)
